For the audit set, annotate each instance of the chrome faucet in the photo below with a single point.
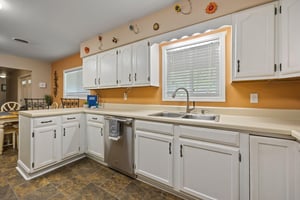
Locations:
(188, 109)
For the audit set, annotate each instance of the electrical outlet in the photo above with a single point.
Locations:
(253, 98)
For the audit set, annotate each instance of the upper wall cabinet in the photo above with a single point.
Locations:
(266, 43)
(107, 68)
(290, 40)
(254, 54)
(90, 72)
(128, 66)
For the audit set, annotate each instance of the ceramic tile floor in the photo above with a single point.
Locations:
(84, 179)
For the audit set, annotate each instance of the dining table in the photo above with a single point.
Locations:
(6, 118)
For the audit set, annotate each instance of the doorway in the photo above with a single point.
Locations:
(24, 83)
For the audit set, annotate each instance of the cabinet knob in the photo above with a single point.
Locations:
(238, 65)
(129, 77)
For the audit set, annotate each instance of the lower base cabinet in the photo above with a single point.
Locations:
(180, 157)
(273, 169)
(71, 139)
(71, 135)
(45, 145)
(154, 151)
(95, 139)
(209, 162)
(95, 135)
(209, 171)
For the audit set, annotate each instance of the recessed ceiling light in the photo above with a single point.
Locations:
(1, 6)
(21, 40)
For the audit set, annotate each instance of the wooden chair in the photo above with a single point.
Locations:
(10, 106)
(54, 105)
(70, 102)
(13, 131)
(35, 103)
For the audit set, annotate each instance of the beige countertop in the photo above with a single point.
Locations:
(277, 123)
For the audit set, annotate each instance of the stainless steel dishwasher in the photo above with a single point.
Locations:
(119, 144)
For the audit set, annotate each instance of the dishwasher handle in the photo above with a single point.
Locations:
(127, 121)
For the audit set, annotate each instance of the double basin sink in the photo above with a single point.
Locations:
(206, 117)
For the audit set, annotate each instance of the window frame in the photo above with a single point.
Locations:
(192, 40)
(79, 95)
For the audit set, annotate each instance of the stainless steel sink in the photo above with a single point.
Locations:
(207, 117)
(168, 114)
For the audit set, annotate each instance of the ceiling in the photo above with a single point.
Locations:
(55, 28)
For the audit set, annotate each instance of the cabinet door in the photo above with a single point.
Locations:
(254, 40)
(209, 171)
(290, 42)
(95, 139)
(141, 63)
(89, 72)
(125, 65)
(70, 139)
(271, 168)
(154, 156)
(108, 68)
(44, 146)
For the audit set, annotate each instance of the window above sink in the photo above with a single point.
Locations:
(196, 63)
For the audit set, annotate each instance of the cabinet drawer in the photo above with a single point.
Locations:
(154, 127)
(70, 118)
(211, 135)
(45, 121)
(95, 118)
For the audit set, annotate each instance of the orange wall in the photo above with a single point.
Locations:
(284, 94)
(59, 66)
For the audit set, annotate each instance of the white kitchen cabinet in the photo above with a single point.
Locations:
(154, 151)
(272, 168)
(266, 42)
(100, 70)
(90, 75)
(39, 144)
(107, 62)
(289, 41)
(254, 43)
(132, 65)
(209, 170)
(125, 75)
(45, 146)
(70, 135)
(141, 63)
(94, 135)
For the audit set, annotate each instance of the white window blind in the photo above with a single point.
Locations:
(197, 65)
(73, 85)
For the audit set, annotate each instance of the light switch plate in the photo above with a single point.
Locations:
(253, 98)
